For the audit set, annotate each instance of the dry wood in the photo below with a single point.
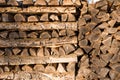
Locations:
(39, 68)
(20, 60)
(62, 33)
(68, 48)
(112, 23)
(36, 75)
(39, 25)
(4, 34)
(115, 67)
(2, 2)
(106, 57)
(47, 52)
(50, 68)
(7, 18)
(40, 2)
(117, 35)
(32, 52)
(1, 53)
(1, 70)
(61, 51)
(6, 69)
(22, 34)
(71, 17)
(70, 33)
(54, 17)
(44, 17)
(53, 2)
(13, 35)
(12, 2)
(83, 42)
(19, 18)
(79, 52)
(64, 17)
(27, 2)
(113, 74)
(16, 51)
(115, 16)
(8, 52)
(27, 68)
(115, 58)
(17, 68)
(103, 72)
(40, 52)
(67, 2)
(61, 68)
(55, 52)
(25, 52)
(54, 34)
(37, 10)
(32, 35)
(71, 67)
(33, 19)
(45, 35)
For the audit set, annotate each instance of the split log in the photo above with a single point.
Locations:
(37, 10)
(113, 74)
(25, 52)
(115, 67)
(44, 17)
(67, 2)
(1, 70)
(12, 2)
(55, 34)
(61, 51)
(64, 17)
(27, 68)
(40, 2)
(54, 42)
(79, 52)
(54, 52)
(16, 51)
(71, 17)
(53, 2)
(7, 18)
(107, 41)
(22, 34)
(62, 33)
(33, 19)
(115, 58)
(47, 52)
(32, 52)
(54, 17)
(111, 30)
(40, 52)
(100, 4)
(4, 34)
(2, 2)
(61, 68)
(76, 2)
(6, 69)
(39, 26)
(8, 52)
(39, 68)
(19, 18)
(70, 33)
(45, 35)
(115, 16)
(83, 42)
(50, 68)
(13, 35)
(112, 23)
(1, 53)
(117, 35)
(17, 68)
(71, 67)
(81, 22)
(106, 57)
(32, 35)
(68, 48)
(22, 60)
(103, 72)
(27, 2)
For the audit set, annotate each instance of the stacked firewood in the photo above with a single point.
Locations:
(99, 38)
(38, 39)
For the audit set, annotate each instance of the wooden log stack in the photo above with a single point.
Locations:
(59, 40)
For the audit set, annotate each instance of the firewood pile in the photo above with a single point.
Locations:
(59, 40)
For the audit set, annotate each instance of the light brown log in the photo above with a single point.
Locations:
(40, 52)
(4, 34)
(117, 35)
(27, 2)
(32, 52)
(64, 17)
(111, 30)
(113, 74)
(71, 67)
(16, 51)
(45, 35)
(115, 16)
(32, 35)
(22, 34)
(1, 53)
(19, 18)
(44, 17)
(106, 57)
(67, 2)
(81, 22)
(115, 67)
(61, 68)
(70, 33)
(33, 19)
(100, 4)
(40, 2)
(87, 48)
(39, 26)
(21, 60)
(2, 2)
(71, 17)
(25, 52)
(83, 42)
(50, 68)
(112, 23)
(61, 51)
(39, 68)
(53, 2)
(7, 18)
(1, 70)
(107, 41)
(87, 17)
(8, 52)
(79, 52)
(37, 10)
(54, 17)
(17, 68)
(103, 72)
(77, 2)
(6, 69)
(55, 34)
(62, 33)
(13, 35)
(27, 68)
(68, 48)
(37, 75)
(47, 52)
(55, 52)
(12, 2)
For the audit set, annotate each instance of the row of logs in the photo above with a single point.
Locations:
(39, 2)
(36, 18)
(66, 49)
(56, 67)
(99, 38)
(36, 34)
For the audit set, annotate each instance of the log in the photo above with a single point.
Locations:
(40, 52)
(47, 52)
(25, 52)
(16, 51)
(50, 68)
(32, 52)
(40, 2)
(79, 52)
(112, 23)
(115, 16)
(45, 35)
(68, 48)
(7, 18)
(2, 2)
(1, 53)
(53, 2)
(6, 69)
(12, 3)
(64, 17)
(8, 52)
(27, 2)
(39, 25)
(54, 17)
(117, 35)
(13, 35)
(32, 35)
(32, 19)
(62, 33)
(67, 2)
(3, 34)
(103, 72)
(70, 33)
(113, 74)
(19, 18)
(54, 34)
(54, 52)
(1, 70)
(37, 10)
(27, 68)
(17, 68)
(44, 17)
(22, 34)
(61, 68)
(71, 17)
(61, 51)
(71, 67)
(24, 60)
(115, 67)
(39, 67)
